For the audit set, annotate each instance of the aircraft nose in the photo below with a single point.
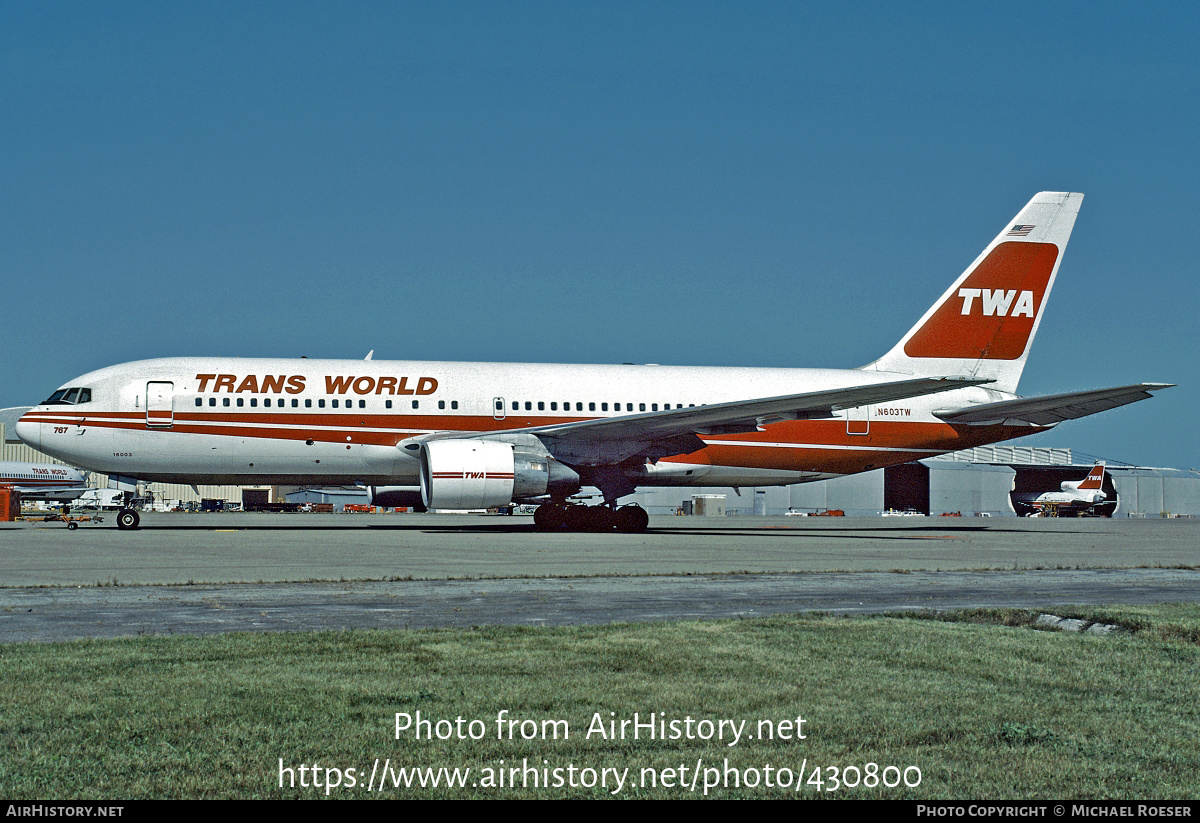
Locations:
(29, 432)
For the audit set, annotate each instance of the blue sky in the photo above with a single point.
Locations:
(752, 184)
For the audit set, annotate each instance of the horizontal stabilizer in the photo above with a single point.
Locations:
(1050, 409)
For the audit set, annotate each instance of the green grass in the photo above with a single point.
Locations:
(984, 709)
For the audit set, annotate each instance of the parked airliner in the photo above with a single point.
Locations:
(43, 481)
(473, 435)
(1078, 495)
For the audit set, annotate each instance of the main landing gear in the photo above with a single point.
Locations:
(558, 517)
(128, 519)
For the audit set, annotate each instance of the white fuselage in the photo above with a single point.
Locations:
(1071, 496)
(235, 420)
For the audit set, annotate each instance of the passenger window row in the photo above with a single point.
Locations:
(334, 403)
(541, 406)
(282, 402)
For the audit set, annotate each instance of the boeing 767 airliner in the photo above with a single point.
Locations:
(474, 435)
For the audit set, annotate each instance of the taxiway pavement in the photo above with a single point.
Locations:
(259, 572)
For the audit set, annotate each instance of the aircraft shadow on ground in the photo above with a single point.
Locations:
(856, 533)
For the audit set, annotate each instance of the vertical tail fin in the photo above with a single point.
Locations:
(983, 326)
(1095, 478)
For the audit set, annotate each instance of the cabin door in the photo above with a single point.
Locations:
(160, 412)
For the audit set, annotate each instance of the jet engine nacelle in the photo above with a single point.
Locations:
(466, 474)
(479, 474)
(391, 496)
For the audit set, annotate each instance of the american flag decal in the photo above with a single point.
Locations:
(1020, 231)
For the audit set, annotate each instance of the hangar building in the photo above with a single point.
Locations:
(989, 480)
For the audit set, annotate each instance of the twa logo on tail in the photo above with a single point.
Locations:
(1094, 480)
(996, 302)
(990, 323)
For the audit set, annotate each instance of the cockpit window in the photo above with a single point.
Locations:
(69, 397)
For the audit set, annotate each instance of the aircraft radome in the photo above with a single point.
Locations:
(472, 435)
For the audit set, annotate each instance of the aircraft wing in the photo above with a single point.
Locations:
(1052, 408)
(677, 431)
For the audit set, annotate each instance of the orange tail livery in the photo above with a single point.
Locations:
(983, 326)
